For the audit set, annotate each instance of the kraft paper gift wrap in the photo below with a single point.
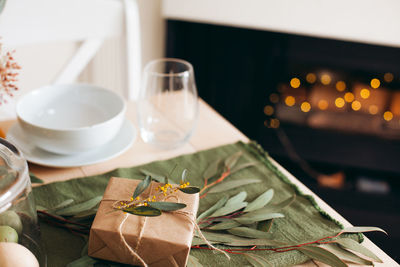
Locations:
(164, 240)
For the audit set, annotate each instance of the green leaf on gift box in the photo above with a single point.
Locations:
(256, 260)
(228, 185)
(143, 211)
(265, 226)
(249, 232)
(158, 177)
(215, 207)
(355, 246)
(322, 255)
(231, 160)
(35, 179)
(142, 186)
(78, 208)
(250, 218)
(224, 225)
(190, 190)
(167, 206)
(260, 201)
(362, 229)
(184, 175)
(345, 255)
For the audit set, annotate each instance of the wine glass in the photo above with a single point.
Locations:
(167, 103)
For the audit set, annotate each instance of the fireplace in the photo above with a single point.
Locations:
(316, 105)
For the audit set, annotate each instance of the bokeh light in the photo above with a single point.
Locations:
(388, 77)
(274, 98)
(325, 79)
(375, 83)
(295, 82)
(364, 93)
(305, 106)
(356, 105)
(373, 109)
(388, 116)
(340, 86)
(323, 104)
(349, 97)
(274, 123)
(290, 101)
(339, 102)
(311, 78)
(268, 110)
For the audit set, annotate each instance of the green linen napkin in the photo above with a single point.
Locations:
(304, 220)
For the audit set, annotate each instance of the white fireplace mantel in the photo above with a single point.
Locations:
(365, 21)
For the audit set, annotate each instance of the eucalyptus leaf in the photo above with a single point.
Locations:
(231, 160)
(345, 255)
(227, 209)
(184, 175)
(84, 250)
(250, 218)
(260, 201)
(85, 214)
(265, 226)
(221, 202)
(246, 242)
(219, 237)
(211, 170)
(190, 190)
(35, 179)
(142, 186)
(362, 229)
(256, 260)
(197, 241)
(240, 197)
(158, 177)
(193, 262)
(38, 207)
(243, 166)
(355, 246)
(285, 203)
(249, 232)
(167, 206)
(228, 185)
(322, 255)
(143, 211)
(78, 208)
(224, 225)
(62, 205)
(82, 262)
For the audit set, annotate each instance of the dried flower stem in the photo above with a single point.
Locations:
(219, 180)
(8, 74)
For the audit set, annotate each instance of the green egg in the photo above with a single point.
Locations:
(8, 234)
(11, 219)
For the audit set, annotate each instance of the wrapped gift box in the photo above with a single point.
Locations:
(164, 240)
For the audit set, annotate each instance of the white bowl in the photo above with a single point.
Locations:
(68, 119)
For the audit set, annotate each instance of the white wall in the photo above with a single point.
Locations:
(41, 63)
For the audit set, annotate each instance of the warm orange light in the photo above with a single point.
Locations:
(305, 107)
(323, 104)
(339, 102)
(340, 86)
(325, 79)
(274, 98)
(268, 110)
(388, 77)
(373, 109)
(364, 93)
(295, 82)
(290, 101)
(274, 123)
(388, 116)
(311, 78)
(356, 105)
(375, 83)
(349, 97)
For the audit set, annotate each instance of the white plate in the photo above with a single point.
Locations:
(121, 142)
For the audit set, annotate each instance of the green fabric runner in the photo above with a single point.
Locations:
(304, 220)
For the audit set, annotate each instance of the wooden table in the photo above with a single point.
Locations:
(212, 130)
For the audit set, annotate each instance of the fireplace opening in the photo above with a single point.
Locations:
(327, 110)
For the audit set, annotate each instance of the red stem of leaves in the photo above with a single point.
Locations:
(220, 179)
